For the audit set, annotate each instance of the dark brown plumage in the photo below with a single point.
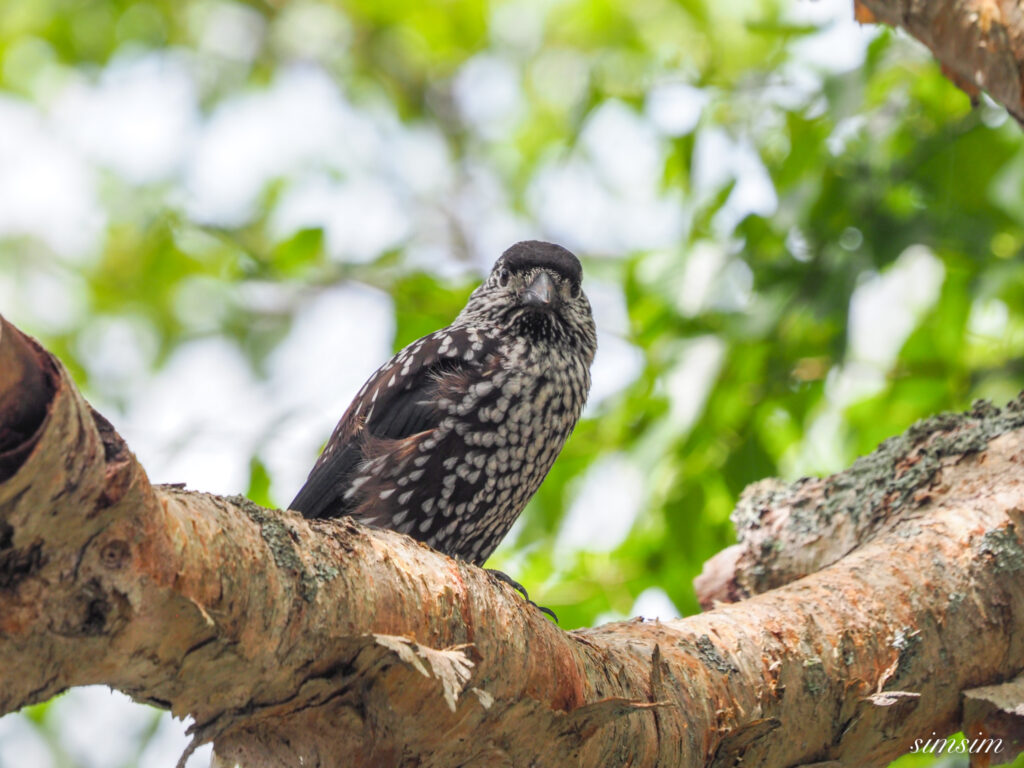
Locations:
(450, 439)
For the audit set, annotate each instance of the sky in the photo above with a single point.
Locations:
(199, 419)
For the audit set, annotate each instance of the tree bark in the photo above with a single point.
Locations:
(326, 643)
(978, 43)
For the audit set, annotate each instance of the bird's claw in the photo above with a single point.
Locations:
(544, 609)
(502, 576)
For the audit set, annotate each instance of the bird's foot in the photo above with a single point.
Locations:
(502, 576)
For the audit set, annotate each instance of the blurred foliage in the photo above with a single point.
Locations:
(873, 169)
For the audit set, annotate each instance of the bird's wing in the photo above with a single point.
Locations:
(399, 400)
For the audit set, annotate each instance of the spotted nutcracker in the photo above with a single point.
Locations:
(450, 439)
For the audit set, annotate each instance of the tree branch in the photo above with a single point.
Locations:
(978, 43)
(324, 641)
(787, 532)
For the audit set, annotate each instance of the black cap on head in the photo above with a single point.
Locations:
(537, 253)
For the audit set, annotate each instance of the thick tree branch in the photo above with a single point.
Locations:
(337, 645)
(787, 532)
(979, 43)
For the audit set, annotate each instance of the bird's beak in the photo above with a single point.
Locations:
(540, 293)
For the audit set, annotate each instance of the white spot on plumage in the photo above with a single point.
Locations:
(356, 485)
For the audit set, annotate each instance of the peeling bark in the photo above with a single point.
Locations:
(996, 713)
(978, 43)
(326, 643)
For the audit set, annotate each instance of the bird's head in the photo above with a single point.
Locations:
(535, 289)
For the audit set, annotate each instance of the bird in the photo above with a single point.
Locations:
(449, 439)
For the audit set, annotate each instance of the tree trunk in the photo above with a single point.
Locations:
(978, 43)
(881, 595)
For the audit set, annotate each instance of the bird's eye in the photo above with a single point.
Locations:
(503, 276)
(574, 290)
